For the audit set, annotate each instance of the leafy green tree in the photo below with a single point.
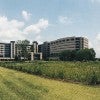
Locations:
(65, 55)
(80, 55)
(85, 55)
(92, 54)
(22, 46)
(17, 58)
(73, 55)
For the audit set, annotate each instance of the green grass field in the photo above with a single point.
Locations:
(16, 85)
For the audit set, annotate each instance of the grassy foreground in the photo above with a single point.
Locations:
(15, 85)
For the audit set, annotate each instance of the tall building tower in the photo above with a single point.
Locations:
(35, 55)
(35, 47)
(45, 49)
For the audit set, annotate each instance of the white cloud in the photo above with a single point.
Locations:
(10, 29)
(64, 20)
(38, 27)
(98, 37)
(16, 30)
(38, 38)
(97, 48)
(96, 45)
(90, 44)
(26, 15)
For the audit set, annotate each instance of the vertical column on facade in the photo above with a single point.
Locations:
(32, 56)
(35, 46)
(12, 49)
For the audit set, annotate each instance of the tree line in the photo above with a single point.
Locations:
(80, 55)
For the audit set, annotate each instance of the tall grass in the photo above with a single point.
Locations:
(84, 72)
(15, 85)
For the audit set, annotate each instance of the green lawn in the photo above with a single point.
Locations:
(16, 85)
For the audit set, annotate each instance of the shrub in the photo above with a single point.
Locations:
(92, 79)
(37, 70)
(61, 74)
(85, 72)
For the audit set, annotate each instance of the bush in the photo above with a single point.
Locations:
(92, 79)
(61, 74)
(80, 55)
(37, 70)
(85, 72)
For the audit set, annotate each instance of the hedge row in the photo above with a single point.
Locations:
(84, 72)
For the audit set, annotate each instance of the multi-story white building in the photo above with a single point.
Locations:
(68, 43)
(7, 50)
(53, 48)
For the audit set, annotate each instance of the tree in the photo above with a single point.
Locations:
(65, 55)
(22, 47)
(17, 58)
(80, 55)
(86, 54)
(73, 55)
(92, 54)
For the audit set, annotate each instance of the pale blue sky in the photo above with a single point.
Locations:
(62, 18)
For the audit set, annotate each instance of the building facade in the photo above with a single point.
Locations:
(7, 50)
(68, 43)
(53, 48)
(45, 49)
(30, 53)
(35, 54)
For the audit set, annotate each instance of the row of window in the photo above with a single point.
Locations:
(57, 49)
(59, 41)
(64, 45)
